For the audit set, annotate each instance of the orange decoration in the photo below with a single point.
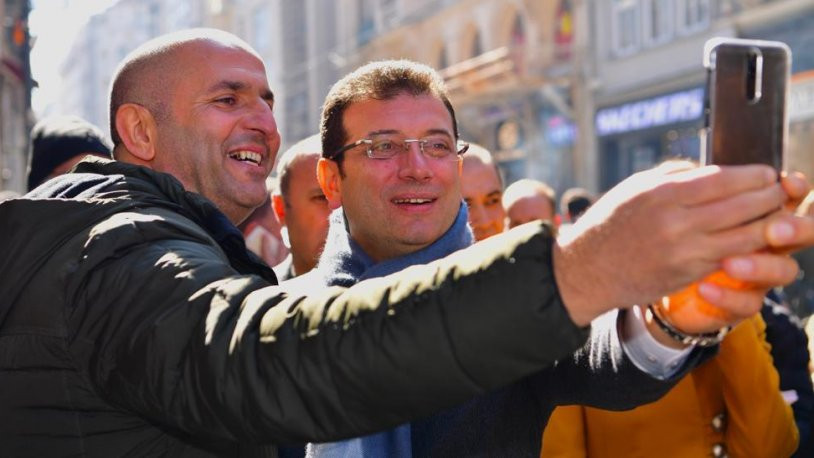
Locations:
(18, 33)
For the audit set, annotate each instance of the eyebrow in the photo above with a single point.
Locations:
(394, 131)
(236, 86)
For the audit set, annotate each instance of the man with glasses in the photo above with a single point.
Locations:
(135, 323)
(391, 169)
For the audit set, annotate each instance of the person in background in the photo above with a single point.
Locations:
(58, 143)
(789, 349)
(262, 231)
(730, 406)
(574, 202)
(528, 200)
(482, 189)
(799, 294)
(300, 207)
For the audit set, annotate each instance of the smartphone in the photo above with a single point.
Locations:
(745, 102)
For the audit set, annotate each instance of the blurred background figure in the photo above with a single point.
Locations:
(528, 200)
(800, 294)
(300, 207)
(728, 406)
(262, 231)
(482, 190)
(58, 143)
(574, 203)
(789, 350)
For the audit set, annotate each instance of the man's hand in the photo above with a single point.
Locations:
(785, 231)
(662, 229)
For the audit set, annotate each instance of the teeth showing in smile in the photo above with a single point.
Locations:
(247, 156)
(412, 201)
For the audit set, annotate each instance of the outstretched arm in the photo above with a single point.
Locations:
(170, 331)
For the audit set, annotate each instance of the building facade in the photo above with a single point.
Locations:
(298, 44)
(107, 38)
(571, 92)
(512, 69)
(649, 75)
(15, 95)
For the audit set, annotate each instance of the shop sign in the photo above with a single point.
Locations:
(667, 109)
(559, 131)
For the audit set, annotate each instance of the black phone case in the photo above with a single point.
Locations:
(747, 84)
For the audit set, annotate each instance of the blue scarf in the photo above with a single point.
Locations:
(344, 263)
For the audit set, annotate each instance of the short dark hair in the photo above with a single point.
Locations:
(381, 80)
(56, 139)
(575, 202)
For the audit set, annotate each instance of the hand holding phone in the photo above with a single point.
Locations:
(746, 123)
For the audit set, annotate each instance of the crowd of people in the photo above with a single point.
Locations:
(383, 295)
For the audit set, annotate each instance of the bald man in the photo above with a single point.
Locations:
(528, 200)
(135, 323)
(301, 207)
(482, 190)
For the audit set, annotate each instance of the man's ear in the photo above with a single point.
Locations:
(136, 127)
(278, 205)
(330, 182)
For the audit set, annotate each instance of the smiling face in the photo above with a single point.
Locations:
(399, 205)
(483, 195)
(220, 137)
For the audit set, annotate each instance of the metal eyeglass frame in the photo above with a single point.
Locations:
(462, 147)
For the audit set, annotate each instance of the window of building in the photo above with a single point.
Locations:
(476, 47)
(564, 31)
(389, 12)
(625, 27)
(154, 15)
(295, 51)
(367, 23)
(261, 27)
(657, 21)
(693, 15)
(443, 59)
(518, 36)
(297, 114)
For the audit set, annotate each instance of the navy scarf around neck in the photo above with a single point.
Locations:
(344, 263)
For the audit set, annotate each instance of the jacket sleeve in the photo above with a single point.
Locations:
(565, 436)
(601, 374)
(759, 422)
(168, 330)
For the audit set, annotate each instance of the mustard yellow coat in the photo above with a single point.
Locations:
(740, 382)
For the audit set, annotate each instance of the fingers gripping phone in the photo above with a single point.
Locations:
(747, 88)
(746, 123)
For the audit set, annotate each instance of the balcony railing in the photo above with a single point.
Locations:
(497, 68)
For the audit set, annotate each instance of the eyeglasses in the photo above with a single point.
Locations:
(387, 146)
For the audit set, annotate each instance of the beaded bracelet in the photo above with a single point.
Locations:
(702, 340)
